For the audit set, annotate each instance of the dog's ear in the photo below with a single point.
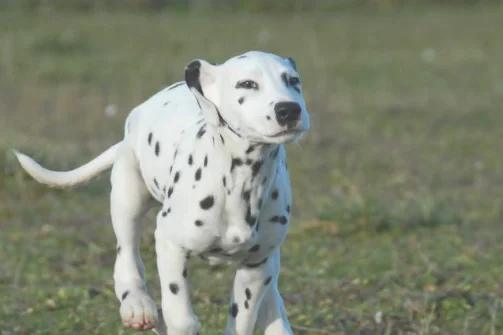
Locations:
(201, 78)
(292, 63)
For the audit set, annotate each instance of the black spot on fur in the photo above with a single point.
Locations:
(246, 195)
(201, 131)
(124, 295)
(247, 305)
(256, 265)
(157, 148)
(224, 181)
(274, 194)
(170, 169)
(256, 168)
(255, 248)
(198, 174)
(284, 77)
(206, 161)
(250, 219)
(170, 191)
(234, 310)
(166, 103)
(198, 223)
(190, 160)
(279, 219)
(176, 153)
(267, 280)
(222, 139)
(236, 162)
(119, 249)
(173, 287)
(207, 202)
(248, 294)
(177, 176)
(184, 273)
(149, 140)
(164, 213)
(156, 183)
(268, 117)
(250, 149)
(241, 100)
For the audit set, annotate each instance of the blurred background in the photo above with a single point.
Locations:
(398, 187)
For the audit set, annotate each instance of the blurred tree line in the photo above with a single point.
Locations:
(221, 5)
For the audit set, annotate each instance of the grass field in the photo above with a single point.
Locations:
(398, 188)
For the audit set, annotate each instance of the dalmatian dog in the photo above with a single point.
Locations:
(211, 150)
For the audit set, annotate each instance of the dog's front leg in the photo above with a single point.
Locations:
(272, 316)
(171, 263)
(250, 286)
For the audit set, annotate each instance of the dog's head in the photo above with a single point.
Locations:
(257, 95)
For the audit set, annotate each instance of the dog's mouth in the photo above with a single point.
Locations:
(288, 132)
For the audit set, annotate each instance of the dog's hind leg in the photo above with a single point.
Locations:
(129, 201)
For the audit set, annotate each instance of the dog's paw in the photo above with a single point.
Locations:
(138, 311)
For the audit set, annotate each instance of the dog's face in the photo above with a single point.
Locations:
(257, 95)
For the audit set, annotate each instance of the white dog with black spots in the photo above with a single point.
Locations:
(210, 150)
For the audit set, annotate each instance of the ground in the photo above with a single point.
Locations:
(398, 187)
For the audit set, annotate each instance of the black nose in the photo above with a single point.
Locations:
(287, 113)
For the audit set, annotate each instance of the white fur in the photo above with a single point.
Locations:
(214, 158)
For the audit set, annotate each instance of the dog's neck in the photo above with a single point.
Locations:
(249, 161)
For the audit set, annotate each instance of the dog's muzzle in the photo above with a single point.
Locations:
(287, 113)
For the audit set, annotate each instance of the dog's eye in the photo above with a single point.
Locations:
(247, 84)
(293, 81)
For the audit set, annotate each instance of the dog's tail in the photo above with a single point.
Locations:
(63, 179)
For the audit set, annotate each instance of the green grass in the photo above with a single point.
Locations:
(398, 187)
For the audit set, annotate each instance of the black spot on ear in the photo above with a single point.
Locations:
(267, 280)
(157, 148)
(241, 100)
(255, 248)
(198, 223)
(198, 174)
(173, 287)
(292, 62)
(234, 310)
(207, 202)
(149, 140)
(248, 294)
(192, 72)
(124, 295)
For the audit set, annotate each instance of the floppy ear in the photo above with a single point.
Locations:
(200, 77)
(292, 63)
